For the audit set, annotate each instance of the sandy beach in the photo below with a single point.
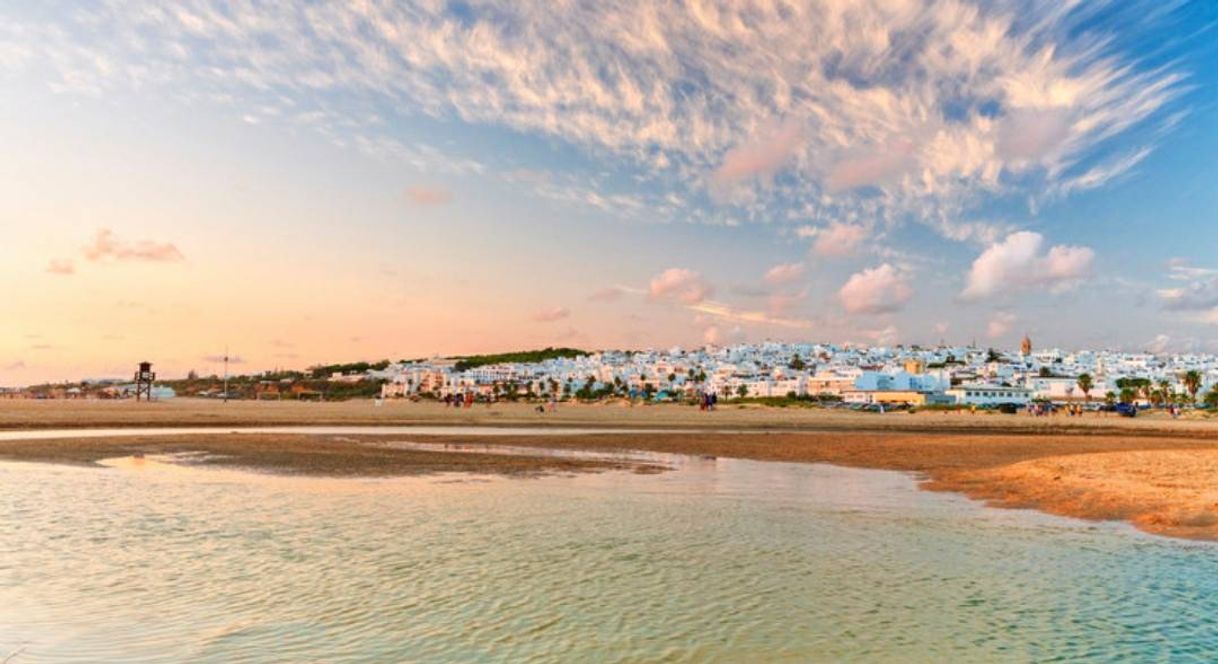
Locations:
(1153, 472)
(53, 414)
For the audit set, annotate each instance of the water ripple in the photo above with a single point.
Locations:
(732, 561)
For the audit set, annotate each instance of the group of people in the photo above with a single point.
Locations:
(1044, 408)
(708, 401)
(459, 400)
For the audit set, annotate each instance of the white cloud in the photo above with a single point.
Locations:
(881, 289)
(1200, 289)
(917, 109)
(784, 273)
(1000, 323)
(680, 284)
(1016, 263)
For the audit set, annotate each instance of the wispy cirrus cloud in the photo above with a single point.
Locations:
(610, 294)
(909, 111)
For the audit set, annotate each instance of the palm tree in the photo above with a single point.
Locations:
(1192, 383)
(1128, 394)
(1085, 383)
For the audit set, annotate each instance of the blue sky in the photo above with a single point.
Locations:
(323, 181)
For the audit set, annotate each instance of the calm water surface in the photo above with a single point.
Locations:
(719, 560)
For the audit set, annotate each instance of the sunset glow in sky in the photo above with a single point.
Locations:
(332, 181)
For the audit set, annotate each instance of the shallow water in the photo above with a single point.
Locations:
(718, 560)
(396, 429)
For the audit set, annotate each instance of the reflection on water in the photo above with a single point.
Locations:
(718, 560)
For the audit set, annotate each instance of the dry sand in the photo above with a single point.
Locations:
(31, 414)
(1154, 472)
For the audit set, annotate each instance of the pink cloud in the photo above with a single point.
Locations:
(762, 157)
(784, 273)
(552, 314)
(62, 266)
(885, 336)
(714, 335)
(1017, 263)
(611, 294)
(680, 284)
(1000, 323)
(781, 304)
(1033, 134)
(874, 168)
(106, 246)
(839, 239)
(428, 196)
(877, 290)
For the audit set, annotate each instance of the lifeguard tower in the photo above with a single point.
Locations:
(143, 381)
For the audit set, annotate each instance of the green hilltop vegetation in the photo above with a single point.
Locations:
(472, 361)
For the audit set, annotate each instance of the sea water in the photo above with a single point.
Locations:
(716, 560)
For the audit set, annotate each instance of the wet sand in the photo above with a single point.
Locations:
(1162, 485)
(331, 456)
(1154, 472)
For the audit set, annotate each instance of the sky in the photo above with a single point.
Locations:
(303, 183)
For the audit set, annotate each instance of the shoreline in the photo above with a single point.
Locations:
(1160, 485)
(180, 413)
(1155, 474)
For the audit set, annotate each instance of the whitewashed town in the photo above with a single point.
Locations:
(865, 376)
(860, 377)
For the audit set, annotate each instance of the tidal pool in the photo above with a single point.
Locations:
(716, 560)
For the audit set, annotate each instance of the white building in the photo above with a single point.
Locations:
(990, 395)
